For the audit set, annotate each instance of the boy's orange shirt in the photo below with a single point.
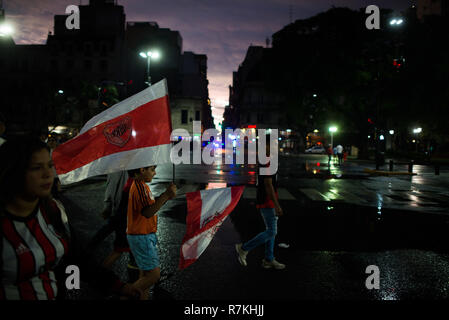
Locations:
(140, 196)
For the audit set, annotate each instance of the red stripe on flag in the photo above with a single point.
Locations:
(150, 122)
(193, 220)
(193, 230)
(194, 204)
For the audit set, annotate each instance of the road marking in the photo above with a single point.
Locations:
(285, 195)
(313, 194)
(350, 197)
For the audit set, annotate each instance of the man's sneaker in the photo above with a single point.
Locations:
(272, 264)
(241, 254)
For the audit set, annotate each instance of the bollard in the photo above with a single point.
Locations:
(391, 165)
(410, 167)
(437, 170)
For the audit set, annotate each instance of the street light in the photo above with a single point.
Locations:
(332, 130)
(149, 55)
(6, 30)
(416, 131)
(396, 22)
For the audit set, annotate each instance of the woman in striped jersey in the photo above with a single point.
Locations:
(36, 244)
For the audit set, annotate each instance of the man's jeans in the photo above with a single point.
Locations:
(266, 237)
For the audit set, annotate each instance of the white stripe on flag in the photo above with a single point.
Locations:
(207, 209)
(194, 247)
(132, 159)
(214, 202)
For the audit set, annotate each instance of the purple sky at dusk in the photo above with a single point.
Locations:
(221, 29)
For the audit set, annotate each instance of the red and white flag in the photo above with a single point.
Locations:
(132, 134)
(206, 211)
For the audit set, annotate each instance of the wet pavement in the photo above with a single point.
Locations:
(335, 225)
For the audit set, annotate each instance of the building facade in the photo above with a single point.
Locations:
(79, 73)
(254, 104)
(432, 7)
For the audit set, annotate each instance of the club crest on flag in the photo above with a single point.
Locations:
(118, 133)
(133, 133)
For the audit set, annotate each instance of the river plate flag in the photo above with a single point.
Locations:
(132, 134)
(206, 211)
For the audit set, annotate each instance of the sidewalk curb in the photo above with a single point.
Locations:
(389, 173)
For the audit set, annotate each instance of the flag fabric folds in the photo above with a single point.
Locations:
(132, 134)
(206, 211)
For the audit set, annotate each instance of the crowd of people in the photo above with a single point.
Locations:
(338, 154)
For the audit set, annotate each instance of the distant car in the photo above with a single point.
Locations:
(316, 149)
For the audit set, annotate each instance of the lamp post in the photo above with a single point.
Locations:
(416, 131)
(149, 55)
(332, 130)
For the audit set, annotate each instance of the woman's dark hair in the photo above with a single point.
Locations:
(15, 157)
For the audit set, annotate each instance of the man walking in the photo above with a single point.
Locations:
(340, 154)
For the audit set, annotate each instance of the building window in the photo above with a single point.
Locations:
(184, 115)
(197, 115)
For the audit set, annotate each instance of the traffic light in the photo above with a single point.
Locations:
(398, 63)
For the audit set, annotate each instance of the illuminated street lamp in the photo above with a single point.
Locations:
(6, 30)
(149, 55)
(416, 131)
(396, 22)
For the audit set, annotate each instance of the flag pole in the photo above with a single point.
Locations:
(172, 144)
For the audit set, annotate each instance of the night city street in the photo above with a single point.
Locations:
(150, 119)
(389, 222)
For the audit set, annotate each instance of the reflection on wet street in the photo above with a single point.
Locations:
(332, 207)
(335, 224)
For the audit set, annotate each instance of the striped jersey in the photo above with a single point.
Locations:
(31, 248)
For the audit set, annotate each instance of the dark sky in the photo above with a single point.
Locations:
(221, 29)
